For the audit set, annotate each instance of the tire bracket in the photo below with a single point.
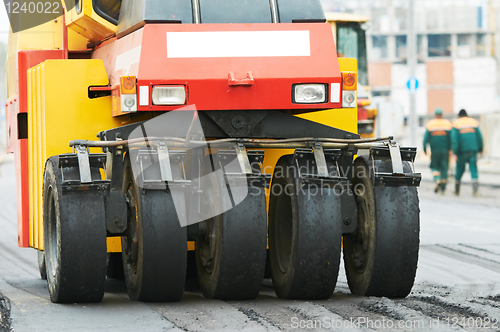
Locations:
(83, 163)
(164, 161)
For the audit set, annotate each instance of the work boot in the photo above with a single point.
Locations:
(442, 187)
(457, 188)
(475, 188)
(437, 187)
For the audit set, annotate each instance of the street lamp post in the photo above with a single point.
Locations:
(412, 65)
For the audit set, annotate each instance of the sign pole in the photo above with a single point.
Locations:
(411, 43)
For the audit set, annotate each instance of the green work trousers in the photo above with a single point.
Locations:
(439, 166)
(466, 158)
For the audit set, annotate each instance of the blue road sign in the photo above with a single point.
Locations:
(412, 84)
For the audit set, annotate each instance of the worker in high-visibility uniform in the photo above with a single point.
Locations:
(467, 142)
(438, 135)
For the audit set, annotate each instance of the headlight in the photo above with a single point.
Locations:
(169, 95)
(309, 94)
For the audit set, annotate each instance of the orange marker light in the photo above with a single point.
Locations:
(350, 80)
(128, 85)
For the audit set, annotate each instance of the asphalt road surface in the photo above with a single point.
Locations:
(457, 285)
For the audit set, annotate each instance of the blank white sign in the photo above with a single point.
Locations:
(235, 44)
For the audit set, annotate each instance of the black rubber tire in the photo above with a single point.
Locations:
(381, 256)
(155, 265)
(75, 239)
(41, 265)
(305, 233)
(236, 264)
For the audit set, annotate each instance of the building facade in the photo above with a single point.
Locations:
(456, 42)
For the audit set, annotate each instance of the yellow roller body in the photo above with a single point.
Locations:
(88, 23)
(59, 110)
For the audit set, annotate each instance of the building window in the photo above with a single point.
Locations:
(422, 121)
(379, 47)
(379, 19)
(432, 18)
(464, 47)
(401, 51)
(421, 48)
(481, 45)
(381, 93)
(439, 45)
(400, 22)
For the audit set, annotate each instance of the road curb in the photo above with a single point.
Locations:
(489, 170)
(481, 184)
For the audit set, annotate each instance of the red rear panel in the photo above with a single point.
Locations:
(202, 57)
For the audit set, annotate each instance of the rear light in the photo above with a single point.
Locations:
(349, 99)
(128, 98)
(128, 85)
(349, 87)
(169, 95)
(349, 80)
(309, 94)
